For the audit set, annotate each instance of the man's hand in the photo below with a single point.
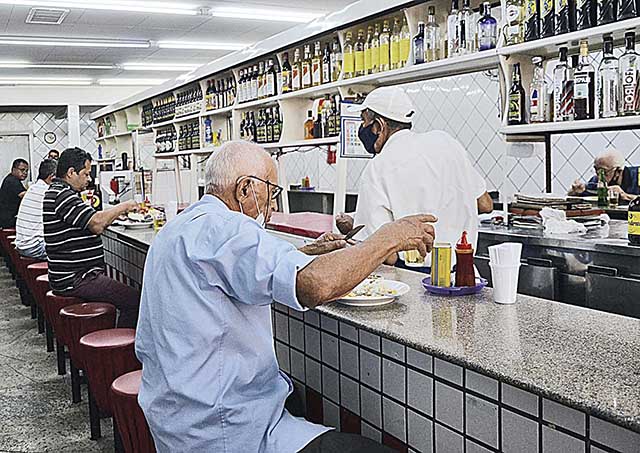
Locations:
(411, 233)
(129, 206)
(577, 188)
(326, 243)
(344, 223)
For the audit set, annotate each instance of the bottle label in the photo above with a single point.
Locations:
(561, 4)
(295, 78)
(286, 80)
(515, 110)
(326, 73)
(581, 86)
(634, 223)
(384, 54)
(306, 75)
(360, 61)
(532, 9)
(534, 107)
(348, 63)
(629, 90)
(375, 57)
(395, 52)
(566, 100)
(418, 52)
(271, 83)
(546, 8)
(405, 49)
(316, 77)
(367, 60)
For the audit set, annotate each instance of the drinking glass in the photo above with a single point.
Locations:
(614, 197)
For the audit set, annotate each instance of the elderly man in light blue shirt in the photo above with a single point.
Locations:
(210, 380)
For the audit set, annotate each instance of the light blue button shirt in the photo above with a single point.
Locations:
(210, 380)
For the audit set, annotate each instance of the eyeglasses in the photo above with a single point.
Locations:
(274, 189)
(23, 170)
(607, 171)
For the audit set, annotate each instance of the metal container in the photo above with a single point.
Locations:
(441, 264)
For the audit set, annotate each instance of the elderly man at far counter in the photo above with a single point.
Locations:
(210, 379)
(624, 180)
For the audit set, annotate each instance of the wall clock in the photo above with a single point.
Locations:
(50, 138)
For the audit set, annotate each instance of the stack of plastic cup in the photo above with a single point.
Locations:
(505, 270)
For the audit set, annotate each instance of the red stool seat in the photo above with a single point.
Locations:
(33, 271)
(80, 319)
(53, 304)
(4, 238)
(108, 354)
(132, 425)
(22, 265)
(40, 289)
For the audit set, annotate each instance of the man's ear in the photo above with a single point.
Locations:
(70, 171)
(242, 189)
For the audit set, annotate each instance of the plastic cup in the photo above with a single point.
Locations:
(505, 282)
(412, 258)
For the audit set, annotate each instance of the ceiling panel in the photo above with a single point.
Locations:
(97, 17)
(172, 22)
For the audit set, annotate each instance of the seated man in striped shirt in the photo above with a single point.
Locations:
(72, 236)
(29, 231)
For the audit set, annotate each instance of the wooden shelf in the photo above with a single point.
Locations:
(625, 122)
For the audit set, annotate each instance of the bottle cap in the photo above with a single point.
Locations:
(463, 244)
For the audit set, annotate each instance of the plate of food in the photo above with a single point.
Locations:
(136, 221)
(375, 291)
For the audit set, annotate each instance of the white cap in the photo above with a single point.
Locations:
(391, 102)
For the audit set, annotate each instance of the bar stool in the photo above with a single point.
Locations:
(132, 425)
(4, 242)
(33, 272)
(75, 322)
(107, 354)
(40, 289)
(13, 257)
(53, 304)
(24, 287)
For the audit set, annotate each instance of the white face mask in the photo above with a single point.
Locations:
(260, 218)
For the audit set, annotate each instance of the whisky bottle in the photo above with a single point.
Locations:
(336, 60)
(547, 18)
(385, 47)
(565, 16)
(261, 81)
(306, 67)
(537, 90)
(532, 20)
(627, 9)
(395, 44)
(359, 54)
(453, 31)
(367, 50)
(405, 42)
(349, 57)
(562, 89)
(516, 114)
(634, 222)
(584, 86)
(285, 74)
(515, 21)
(254, 82)
(608, 81)
(586, 14)
(431, 37)
(629, 83)
(271, 79)
(296, 71)
(326, 64)
(316, 65)
(375, 50)
(418, 43)
(607, 11)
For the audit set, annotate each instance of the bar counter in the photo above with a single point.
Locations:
(442, 374)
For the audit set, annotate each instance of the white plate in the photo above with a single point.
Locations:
(136, 225)
(373, 301)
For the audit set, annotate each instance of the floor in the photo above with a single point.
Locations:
(36, 413)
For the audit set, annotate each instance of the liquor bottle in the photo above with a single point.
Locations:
(515, 21)
(466, 25)
(268, 126)
(308, 126)
(285, 74)
(431, 37)
(349, 57)
(584, 86)
(254, 82)
(359, 54)
(405, 42)
(306, 67)
(253, 128)
(271, 79)
(516, 114)
(537, 90)
(629, 83)
(317, 126)
(375, 50)
(326, 114)
(336, 60)
(532, 20)
(241, 85)
(243, 126)
(331, 121)
(547, 18)
(326, 64)
(336, 113)
(562, 89)
(565, 11)
(296, 71)
(608, 81)
(316, 65)
(627, 9)
(385, 47)
(586, 14)
(418, 43)
(367, 50)
(602, 190)
(277, 125)
(607, 11)
(261, 81)
(395, 44)
(453, 39)
(487, 28)
(634, 222)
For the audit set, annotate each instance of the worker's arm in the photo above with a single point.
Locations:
(331, 276)
(102, 219)
(485, 203)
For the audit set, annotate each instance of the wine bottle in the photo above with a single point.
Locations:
(516, 114)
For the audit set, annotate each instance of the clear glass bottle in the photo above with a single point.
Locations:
(395, 44)
(316, 65)
(431, 36)
(296, 71)
(466, 26)
(375, 50)
(487, 28)
(359, 54)
(405, 42)
(385, 47)
(326, 64)
(629, 83)
(418, 44)
(537, 90)
(584, 86)
(608, 81)
(306, 67)
(453, 40)
(336, 60)
(367, 50)
(514, 30)
(561, 97)
(348, 57)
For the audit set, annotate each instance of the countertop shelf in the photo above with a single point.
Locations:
(195, 152)
(625, 122)
(303, 143)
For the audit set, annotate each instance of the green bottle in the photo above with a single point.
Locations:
(602, 190)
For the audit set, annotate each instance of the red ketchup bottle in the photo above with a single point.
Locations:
(465, 273)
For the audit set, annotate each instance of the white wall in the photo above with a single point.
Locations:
(64, 95)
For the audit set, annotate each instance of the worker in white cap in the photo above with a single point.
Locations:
(414, 173)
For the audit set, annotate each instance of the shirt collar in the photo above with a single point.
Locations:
(63, 183)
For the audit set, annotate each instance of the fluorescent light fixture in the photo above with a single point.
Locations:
(44, 81)
(131, 82)
(160, 67)
(263, 14)
(136, 6)
(71, 42)
(26, 64)
(200, 45)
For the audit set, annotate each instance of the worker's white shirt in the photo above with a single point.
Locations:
(421, 174)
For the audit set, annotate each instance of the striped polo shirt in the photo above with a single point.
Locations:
(29, 231)
(73, 250)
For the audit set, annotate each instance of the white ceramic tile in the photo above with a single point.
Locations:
(330, 384)
(420, 432)
(564, 416)
(313, 374)
(330, 354)
(349, 362)
(554, 441)
(449, 403)
(349, 394)
(420, 392)
(481, 420)
(519, 434)
(394, 419)
(331, 414)
(371, 406)
(370, 369)
(614, 436)
(393, 380)
(312, 342)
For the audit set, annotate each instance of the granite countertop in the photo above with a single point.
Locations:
(584, 358)
(607, 239)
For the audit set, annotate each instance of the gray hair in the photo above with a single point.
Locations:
(232, 161)
(610, 158)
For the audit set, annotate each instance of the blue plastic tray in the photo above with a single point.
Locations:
(454, 290)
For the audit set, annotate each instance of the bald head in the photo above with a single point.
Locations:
(610, 159)
(234, 160)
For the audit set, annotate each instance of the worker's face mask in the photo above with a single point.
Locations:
(368, 138)
(260, 218)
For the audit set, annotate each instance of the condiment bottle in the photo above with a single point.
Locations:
(465, 273)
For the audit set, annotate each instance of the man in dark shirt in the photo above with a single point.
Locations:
(72, 238)
(11, 193)
(620, 178)
(54, 154)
